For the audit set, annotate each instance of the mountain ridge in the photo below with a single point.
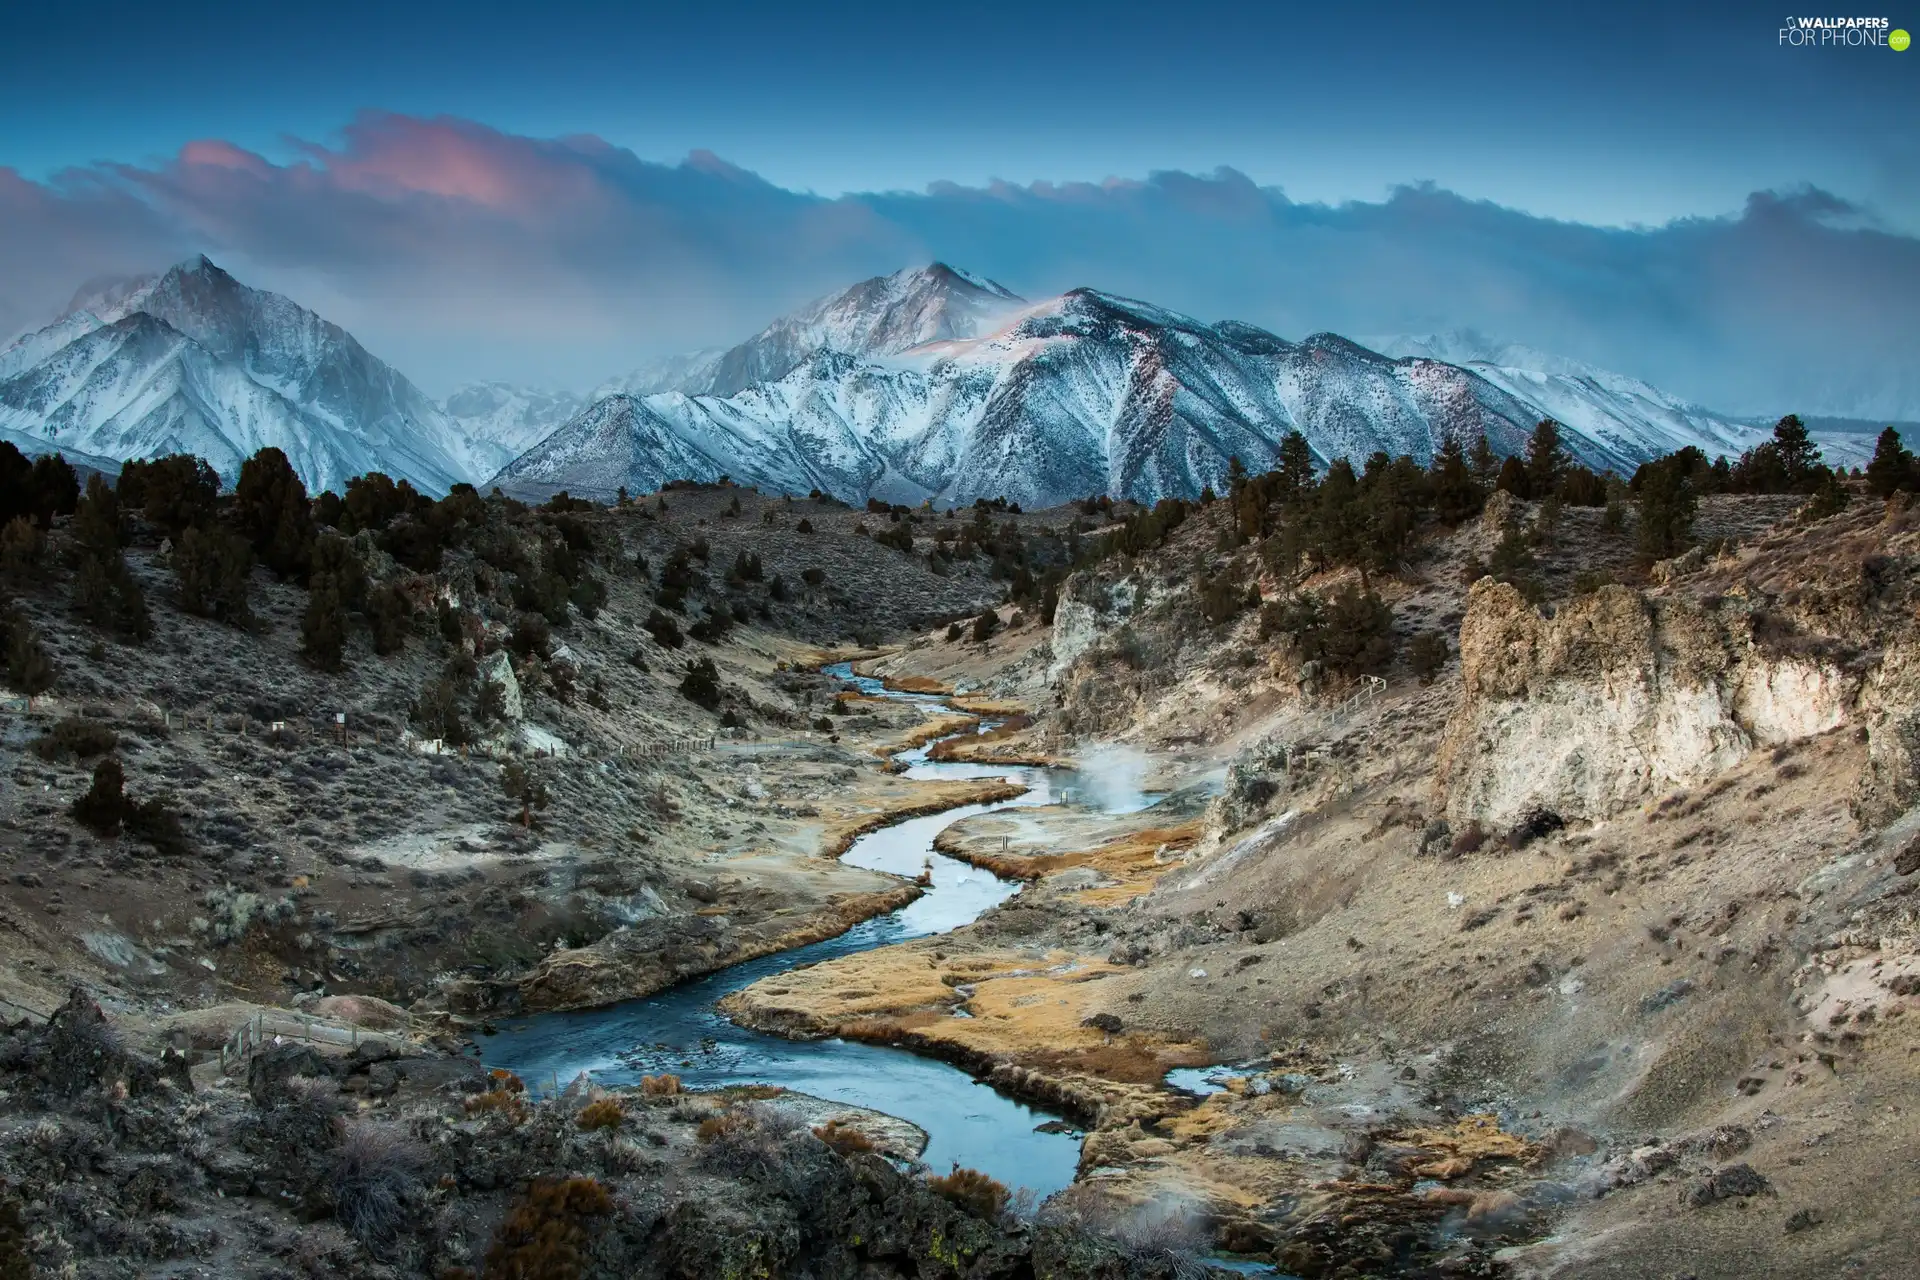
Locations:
(192, 360)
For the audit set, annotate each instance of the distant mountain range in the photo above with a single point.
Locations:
(937, 383)
(193, 361)
(929, 383)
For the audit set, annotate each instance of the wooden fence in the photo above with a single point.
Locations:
(263, 1029)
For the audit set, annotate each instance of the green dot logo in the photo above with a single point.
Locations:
(1899, 40)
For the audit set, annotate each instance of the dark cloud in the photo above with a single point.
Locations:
(459, 251)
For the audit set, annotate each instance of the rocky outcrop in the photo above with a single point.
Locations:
(1890, 708)
(1089, 607)
(1616, 697)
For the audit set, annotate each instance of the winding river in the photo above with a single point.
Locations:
(679, 1030)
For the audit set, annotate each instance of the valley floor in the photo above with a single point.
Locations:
(1593, 955)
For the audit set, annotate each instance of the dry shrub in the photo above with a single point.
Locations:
(747, 1142)
(1163, 1237)
(844, 1139)
(498, 1102)
(602, 1113)
(1535, 824)
(374, 1171)
(723, 1125)
(972, 1190)
(71, 739)
(659, 1086)
(545, 1236)
(1470, 840)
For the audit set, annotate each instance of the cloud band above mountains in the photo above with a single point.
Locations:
(461, 252)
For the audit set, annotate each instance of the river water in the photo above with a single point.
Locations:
(679, 1031)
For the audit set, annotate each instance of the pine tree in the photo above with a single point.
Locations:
(270, 507)
(93, 591)
(1799, 455)
(213, 568)
(96, 520)
(1547, 462)
(1338, 523)
(176, 492)
(524, 787)
(1295, 469)
(1893, 468)
(1484, 463)
(56, 488)
(389, 614)
(1667, 506)
(29, 669)
(23, 547)
(103, 807)
(323, 629)
(130, 616)
(1457, 498)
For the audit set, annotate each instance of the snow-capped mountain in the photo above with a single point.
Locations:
(193, 361)
(506, 420)
(876, 318)
(1631, 417)
(667, 373)
(1638, 419)
(1085, 393)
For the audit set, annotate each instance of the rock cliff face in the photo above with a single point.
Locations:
(1615, 698)
(1890, 708)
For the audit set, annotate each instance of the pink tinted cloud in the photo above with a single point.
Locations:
(391, 156)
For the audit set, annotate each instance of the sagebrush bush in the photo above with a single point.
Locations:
(980, 1195)
(74, 738)
(844, 1139)
(497, 1102)
(1471, 839)
(1426, 655)
(375, 1170)
(546, 1234)
(747, 1142)
(601, 1113)
(661, 1086)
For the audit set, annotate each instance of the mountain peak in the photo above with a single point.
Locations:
(949, 276)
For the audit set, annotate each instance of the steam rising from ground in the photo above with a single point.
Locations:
(1111, 777)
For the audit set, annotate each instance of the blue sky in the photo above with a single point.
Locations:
(550, 193)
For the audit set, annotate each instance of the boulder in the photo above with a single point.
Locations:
(498, 667)
(361, 1011)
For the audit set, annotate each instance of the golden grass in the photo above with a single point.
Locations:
(916, 684)
(937, 727)
(923, 799)
(1133, 860)
(1025, 1009)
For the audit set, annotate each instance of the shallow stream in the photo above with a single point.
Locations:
(679, 1031)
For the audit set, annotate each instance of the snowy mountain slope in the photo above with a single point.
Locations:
(192, 360)
(34, 446)
(1081, 394)
(506, 420)
(668, 373)
(880, 317)
(1635, 419)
